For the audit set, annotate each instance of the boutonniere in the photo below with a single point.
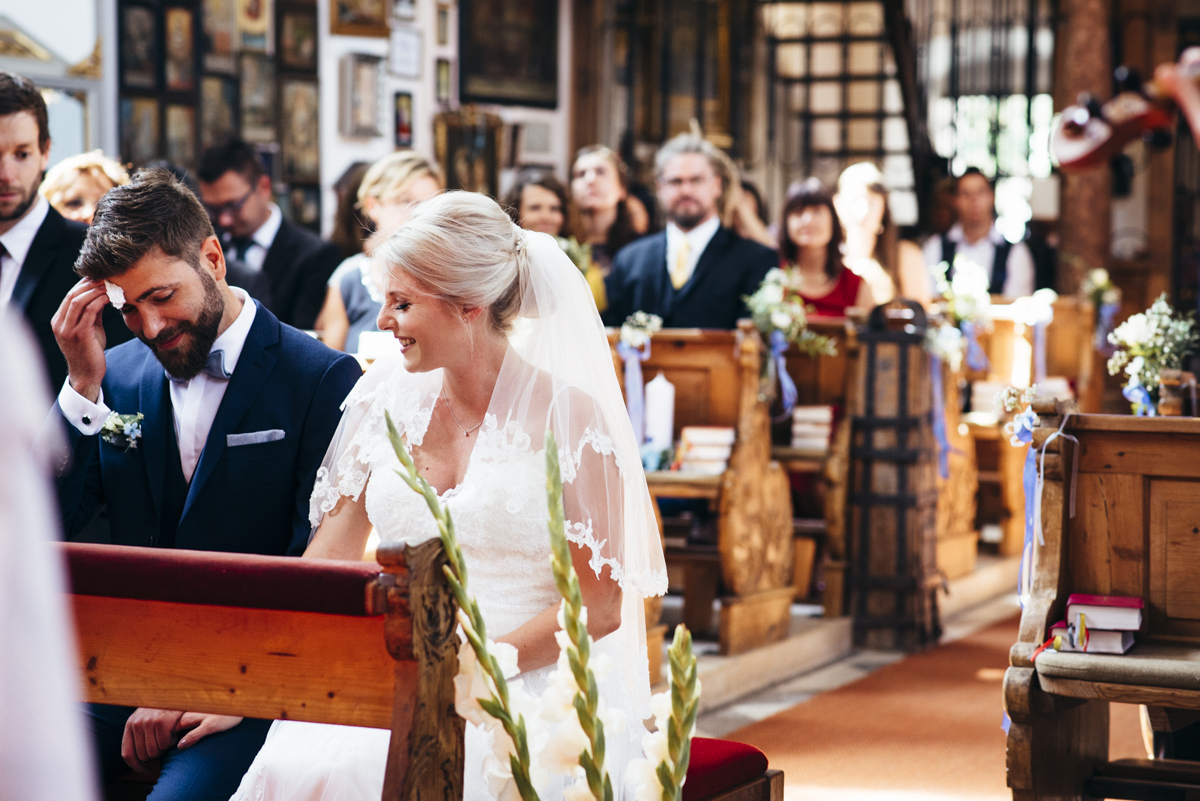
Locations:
(122, 430)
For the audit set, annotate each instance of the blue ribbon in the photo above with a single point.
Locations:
(1108, 315)
(977, 360)
(1022, 432)
(787, 387)
(939, 416)
(1139, 396)
(635, 388)
(1039, 353)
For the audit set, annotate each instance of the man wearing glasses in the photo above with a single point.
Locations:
(294, 262)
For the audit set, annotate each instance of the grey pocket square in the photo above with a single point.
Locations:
(253, 437)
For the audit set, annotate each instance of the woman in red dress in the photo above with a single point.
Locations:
(810, 240)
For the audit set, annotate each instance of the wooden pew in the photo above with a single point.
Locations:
(1136, 532)
(716, 378)
(358, 644)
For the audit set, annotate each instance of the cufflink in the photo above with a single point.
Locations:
(87, 419)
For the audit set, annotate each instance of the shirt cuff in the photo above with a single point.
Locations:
(87, 417)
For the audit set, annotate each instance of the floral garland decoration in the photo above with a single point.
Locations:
(965, 303)
(660, 776)
(1098, 287)
(484, 666)
(1146, 344)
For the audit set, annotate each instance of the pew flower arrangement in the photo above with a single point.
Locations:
(1099, 288)
(1147, 343)
(777, 307)
(566, 727)
(639, 327)
(965, 303)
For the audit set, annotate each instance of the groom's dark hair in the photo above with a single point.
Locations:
(155, 211)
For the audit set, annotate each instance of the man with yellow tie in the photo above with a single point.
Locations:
(695, 273)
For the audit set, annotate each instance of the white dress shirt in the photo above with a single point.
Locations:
(262, 239)
(1019, 282)
(697, 239)
(194, 403)
(17, 241)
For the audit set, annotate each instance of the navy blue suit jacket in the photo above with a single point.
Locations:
(729, 269)
(244, 499)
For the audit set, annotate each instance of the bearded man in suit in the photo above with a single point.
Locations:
(696, 272)
(237, 410)
(280, 264)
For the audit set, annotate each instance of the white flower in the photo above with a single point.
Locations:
(643, 775)
(614, 719)
(1135, 367)
(772, 294)
(579, 791)
(472, 683)
(781, 320)
(1135, 330)
(561, 754)
(656, 746)
(660, 707)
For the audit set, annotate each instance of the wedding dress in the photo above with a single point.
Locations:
(558, 374)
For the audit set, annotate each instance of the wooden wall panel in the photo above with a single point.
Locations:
(1106, 540)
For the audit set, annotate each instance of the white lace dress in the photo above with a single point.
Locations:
(500, 515)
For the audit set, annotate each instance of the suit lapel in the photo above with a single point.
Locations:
(253, 367)
(661, 276)
(710, 256)
(275, 263)
(39, 259)
(158, 423)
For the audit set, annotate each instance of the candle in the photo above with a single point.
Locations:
(660, 412)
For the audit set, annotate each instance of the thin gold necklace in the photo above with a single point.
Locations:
(466, 431)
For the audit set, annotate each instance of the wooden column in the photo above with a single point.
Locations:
(1083, 65)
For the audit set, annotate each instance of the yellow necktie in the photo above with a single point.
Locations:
(679, 273)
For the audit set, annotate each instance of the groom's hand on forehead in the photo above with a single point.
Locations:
(79, 331)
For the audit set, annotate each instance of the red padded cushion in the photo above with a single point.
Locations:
(720, 765)
(220, 579)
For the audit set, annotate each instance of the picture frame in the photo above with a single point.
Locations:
(181, 134)
(443, 83)
(359, 96)
(304, 205)
(218, 109)
(443, 25)
(139, 47)
(139, 129)
(220, 35)
(257, 97)
(467, 147)
(404, 58)
(402, 115)
(298, 38)
(508, 53)
(299, 126)
(254, 25)
(359, 17)
(180, 49)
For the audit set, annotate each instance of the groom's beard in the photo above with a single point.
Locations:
(187, 359)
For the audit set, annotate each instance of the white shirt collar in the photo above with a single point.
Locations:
(18, 239)
(265, 235)
(955, 234)
(234, 338)
(697, 238)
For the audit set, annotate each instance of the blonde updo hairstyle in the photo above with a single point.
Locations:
(94, 163)
(464, 249)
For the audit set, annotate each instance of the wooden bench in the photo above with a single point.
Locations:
(1136, 532)
(359, 644)
(716, 378)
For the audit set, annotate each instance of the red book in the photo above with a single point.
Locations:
(1107, 612)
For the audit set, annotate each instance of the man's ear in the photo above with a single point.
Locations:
(264, 184)
(212, 258)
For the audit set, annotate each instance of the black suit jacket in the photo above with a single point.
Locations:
(296, 268)
(729, 269)
(46, 277)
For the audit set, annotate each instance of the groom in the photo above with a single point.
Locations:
(237, 412)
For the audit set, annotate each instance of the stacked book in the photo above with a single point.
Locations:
(1098, 624)
(704, 450)
(811, 427)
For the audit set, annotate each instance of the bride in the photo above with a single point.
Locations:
(499, 339)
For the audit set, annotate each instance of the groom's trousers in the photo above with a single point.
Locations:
(210, 770)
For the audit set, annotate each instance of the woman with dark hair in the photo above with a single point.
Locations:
(600, 189)
(538, 202)
(350, 229)
(810, 248)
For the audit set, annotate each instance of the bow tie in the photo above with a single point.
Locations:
(214, 366)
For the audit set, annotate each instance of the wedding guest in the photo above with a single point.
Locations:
(873, 246)
(75, 184)
(600, 190)
(237, 194)
(236, 411)
(350, 228)
(642, 209)
(696, 273)
(975, 237)
(38, 246)
(387, 194)
(810, 241)
(538, 202)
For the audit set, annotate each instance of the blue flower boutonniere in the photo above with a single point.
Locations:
(122, 430)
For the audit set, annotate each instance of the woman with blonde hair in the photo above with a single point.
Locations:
(75, 185)
(389, 190)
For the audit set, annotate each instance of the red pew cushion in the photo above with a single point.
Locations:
(720, 765)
